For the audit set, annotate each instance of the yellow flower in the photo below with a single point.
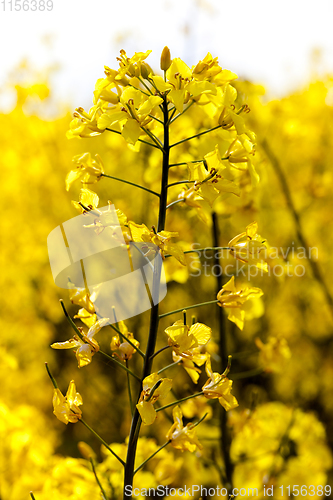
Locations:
(85, 124)
(140, 232)
(131, 66)
(182, 438)
(82, 297)
(154, 388)
(85, 347)
(184, 339)
(66, 408)
(233, 300)
(189, 365)
(209, 181)
(132, 113)
(88, 198)
(87, 169)
(247, 246)
(274, 354)
(125, 348)
(239, 156)
(219, 386)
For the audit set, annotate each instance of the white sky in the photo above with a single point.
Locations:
(267, 41)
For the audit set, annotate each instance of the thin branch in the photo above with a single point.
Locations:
(184, 111)
(161, 350)
(151, 456)
(169, 366)
(102, 441)
(140, 140)
(129, 390)
(188, 307)
(97, 480)
(131, 183)
(175, 202)
(179, 401)
(194, 136)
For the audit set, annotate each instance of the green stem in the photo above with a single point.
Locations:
(102, 441)
(179, 401)
(154, 317)
(169, 366)
(225, 440)
(130, 183)
(97, 480)
(155, 118)
(246, 374)
(184, 111)
(153, 138)
(32, 495)
(180, 182)
(129, 390)
(151, 456)
(140, 140)
(53, 380)
(175, 202)
(194, 136)
(121, 365)
(197, 250)
(188, 307)
(161, 350)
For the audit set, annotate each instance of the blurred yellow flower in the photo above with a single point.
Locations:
(274, 354)
(233, 300)
(182, 438)
(247, 246)
(66, 408)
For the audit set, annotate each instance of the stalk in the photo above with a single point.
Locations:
(223, 351)
(154, 317)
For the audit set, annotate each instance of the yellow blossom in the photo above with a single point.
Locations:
(125, 348)
(85, 346)
(87, 169)
(153, 388)
(240, 154)
(189, 364)
(66, 408)
(82, 297)
(274, 354)
(233, 300)
(87, 199)
(184, 339)
(140, 232)
(219, 386)
(248, 245)
(182, 438)
(85, 124)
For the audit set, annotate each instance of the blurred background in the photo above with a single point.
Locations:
(283, 55)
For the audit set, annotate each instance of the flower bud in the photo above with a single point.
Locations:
(165, 58)
(145, 70)
(86, 451)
